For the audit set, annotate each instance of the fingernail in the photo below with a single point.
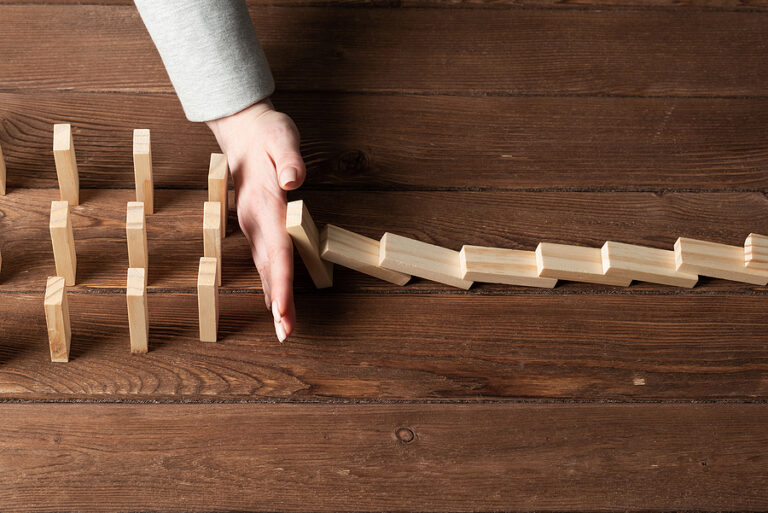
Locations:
(279, 330)
(289, 175)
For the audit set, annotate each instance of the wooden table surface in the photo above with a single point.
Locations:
(500, 123)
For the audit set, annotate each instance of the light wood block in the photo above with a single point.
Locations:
(357, 252)
(218, 174)
(421, 259)
(306, 238)
(756, 252)
(212, 234)
(208, 299)
(138, 313)
(57, 319)
(574, 263)
(644, 264)
(2, 172)
(136, 235)
(142, 169)
(66, 163)
(716, 260)
(500, 265)
(63, 241)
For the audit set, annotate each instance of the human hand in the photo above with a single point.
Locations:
(262, 148)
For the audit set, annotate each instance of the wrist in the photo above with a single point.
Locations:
(230, 130)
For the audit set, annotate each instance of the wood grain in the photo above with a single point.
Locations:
(353, 457)
(449, 51)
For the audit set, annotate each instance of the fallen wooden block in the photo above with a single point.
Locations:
(574, 263)
(212, 234)
(756, 252)
(421, 259)
(57, 319)
(716, 260)
(63, 241)
(138, 313)
(218, 173)
(644, 264)
(142, 169)
(306, 238)
(136, 235)
(356, 252)
(66, 163)
(208, 299)
(2, 172)
(499, 265)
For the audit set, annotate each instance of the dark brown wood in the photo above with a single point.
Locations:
(385, 142)
(449, 51)
(110, 458)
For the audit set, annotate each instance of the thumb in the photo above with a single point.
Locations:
(288, 162)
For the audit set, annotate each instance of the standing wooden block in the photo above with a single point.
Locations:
(305, 236)
(136, 235)
(644, 264)
(218, 173)
(716, 260)
(63, 241)
(356, 252)
(142, 169)
(420, 259)
(756, 252)
(66, 163)
(574, 263)
(208, 299)
(57, 319)
(138, 313)
(2, 172)
(499, 265)
(212, 234)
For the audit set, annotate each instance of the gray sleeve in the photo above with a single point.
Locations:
(211, 53)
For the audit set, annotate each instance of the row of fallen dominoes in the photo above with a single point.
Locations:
(394, 258)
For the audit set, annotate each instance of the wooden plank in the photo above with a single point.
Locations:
(212, 234)
(138, 313)
(218, 176)
(645, 264)
(716, 260)
(66, 163)
(136, 235)
(421, 457)
(208, 299)
(142, 169)
(501, 265)
(756, 252)
(371, 141)
(587, 219)
(422, 259)
(306, 240)
(57, 319)
(574, 263)
(63, 242)
(455, 51)
(347, 346)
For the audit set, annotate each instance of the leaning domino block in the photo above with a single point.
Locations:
(717, 261)
(644, 264)
(756, 252)
(574, 263)
(420, 259)
(218, 171)
(305, 236)
(136, 235)
(142, 169)
(57, 319)
(66, 163)
(499, 265)
(2, 173)
(208, 299)
(356, 252)
(212, 234)
(63, 241)
(138, 314)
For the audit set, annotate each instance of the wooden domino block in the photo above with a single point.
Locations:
(142, 169)
(421, 259)
(306, 238)
(66, 163)
(357, 252)
(136, 235)
(138, 313)
(218, 173)
(644, 264)
(716, 260)
(57, 319)
(756, 252)
(208, 299)
(63, 241)
(574, 263)
(212, 234)
(2, 173)
(499, 265)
